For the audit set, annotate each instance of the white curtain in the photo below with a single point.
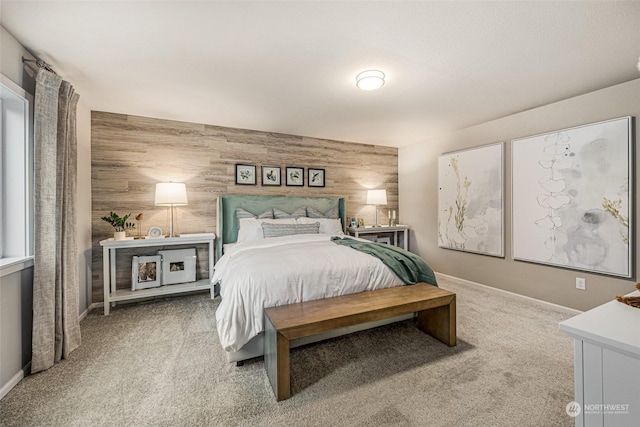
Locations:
(56, 326)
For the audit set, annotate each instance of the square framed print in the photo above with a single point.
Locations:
(178, 266)
(315, 177)
(470, 200)
(271, 175)
(146, 272)
(246, 174)
(295, 176)
(572, 198)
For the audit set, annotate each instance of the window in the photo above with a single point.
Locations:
(16, 172)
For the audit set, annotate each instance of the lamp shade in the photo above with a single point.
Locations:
(376, 197)
(171, 194)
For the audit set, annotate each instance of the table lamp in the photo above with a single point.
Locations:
(377, 198)
(171, 194)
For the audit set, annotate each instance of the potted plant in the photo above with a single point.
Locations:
(119, 224)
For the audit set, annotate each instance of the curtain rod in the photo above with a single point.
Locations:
(39, 63)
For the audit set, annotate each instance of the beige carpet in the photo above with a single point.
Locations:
(159, 363)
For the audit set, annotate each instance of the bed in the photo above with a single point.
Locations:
(248, 273)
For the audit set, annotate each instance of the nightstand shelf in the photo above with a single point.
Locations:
(113, 295)
(357, 231)
(126, 295)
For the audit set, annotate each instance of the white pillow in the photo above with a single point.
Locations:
(251, 228)
(327, 226)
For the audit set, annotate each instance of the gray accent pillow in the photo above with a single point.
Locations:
(242, 213)
(278, 230)
(298, 213)
(332, 214)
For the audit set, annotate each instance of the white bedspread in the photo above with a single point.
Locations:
(285, 270)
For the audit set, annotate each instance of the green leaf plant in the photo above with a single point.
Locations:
(119, 223)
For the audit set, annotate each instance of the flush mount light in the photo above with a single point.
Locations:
(370, 80)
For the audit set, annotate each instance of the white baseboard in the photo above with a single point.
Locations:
(538, 301)
(91, 307)
(6, 388)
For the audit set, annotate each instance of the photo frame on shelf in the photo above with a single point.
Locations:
(572, 198)
(246, 174)
(471, 200)
(146, 272)
(178, 266)
(315, 177)
(271, 175)
(295, 176)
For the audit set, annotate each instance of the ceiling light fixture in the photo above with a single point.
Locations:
(370, 80)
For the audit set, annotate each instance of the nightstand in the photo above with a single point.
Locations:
(112, 294)
(358, 231)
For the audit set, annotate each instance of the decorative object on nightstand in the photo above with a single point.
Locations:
(392, 219)
(155, 233)
(633, 301)
(139, 218)
(119, 224)
(171, 194)
(146, 272)
(377, 198)
(178, 266)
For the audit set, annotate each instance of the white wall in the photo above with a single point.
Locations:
(418, 176)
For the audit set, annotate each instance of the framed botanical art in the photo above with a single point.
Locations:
(470, 200)
(271, 175)
(573, 198)
(315, 177)
(246, 174)
(295, 176)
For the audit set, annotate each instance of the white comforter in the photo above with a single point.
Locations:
(285, 270)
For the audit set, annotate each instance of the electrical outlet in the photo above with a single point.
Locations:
(581, 283)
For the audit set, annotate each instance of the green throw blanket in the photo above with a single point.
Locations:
(409, 267)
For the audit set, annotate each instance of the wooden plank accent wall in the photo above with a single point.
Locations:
(130, 154)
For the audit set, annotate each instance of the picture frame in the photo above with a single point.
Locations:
(271, 176)
(245, 174)
(573, 197)
(295, 176)
(315, 177)
(471, 200)
(178, 266)
(146, 272)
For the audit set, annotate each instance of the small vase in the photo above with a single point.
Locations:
(119, 235)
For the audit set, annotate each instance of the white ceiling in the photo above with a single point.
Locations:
(290, 66)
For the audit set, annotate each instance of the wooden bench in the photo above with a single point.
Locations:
(436, 310)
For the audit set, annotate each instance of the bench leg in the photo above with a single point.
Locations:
(440, 322)
(276, 361)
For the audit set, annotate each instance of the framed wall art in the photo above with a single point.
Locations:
(470, 200)
(295, 176)
(271, 175)
(246, 174)
(178, 266)
(146, 272)
(315, 177)
(572, 198)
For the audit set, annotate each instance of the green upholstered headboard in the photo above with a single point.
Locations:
(227, 227)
